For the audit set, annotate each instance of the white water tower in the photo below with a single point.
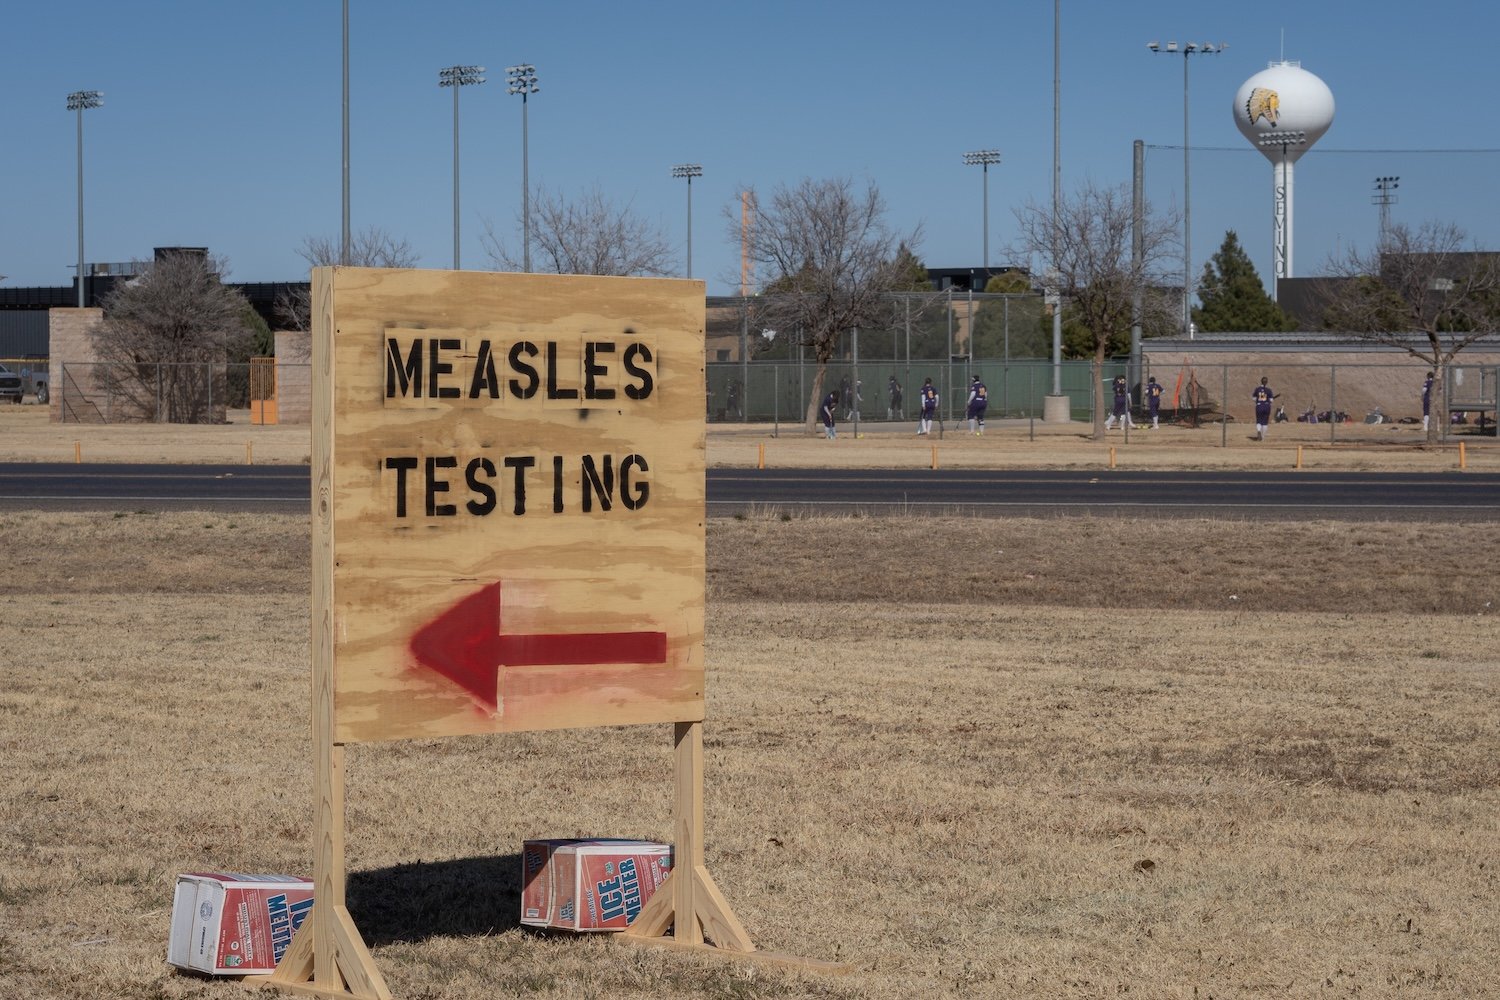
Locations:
(1283, 110)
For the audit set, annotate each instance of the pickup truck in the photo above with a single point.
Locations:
(28, 382)
(10, 385)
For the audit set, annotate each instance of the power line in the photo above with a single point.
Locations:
(1321, 149)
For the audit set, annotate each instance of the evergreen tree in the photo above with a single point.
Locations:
(1011, 327)
(1232, 296)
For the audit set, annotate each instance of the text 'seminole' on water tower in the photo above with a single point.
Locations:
(1283, 110)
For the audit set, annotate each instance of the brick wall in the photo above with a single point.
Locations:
(293, 377)
(1355, 383)
(70, 368)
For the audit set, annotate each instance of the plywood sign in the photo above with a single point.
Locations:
(509, 521)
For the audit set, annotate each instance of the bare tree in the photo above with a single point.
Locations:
(833, 261)
(1426, 291)
(167, 337)
(371, 247)
(1089, 244)
(587, 235)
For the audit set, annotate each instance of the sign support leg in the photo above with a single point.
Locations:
(689, 902)
(327, 957)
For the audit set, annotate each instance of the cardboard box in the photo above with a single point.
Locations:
(228, 924)
(590, 885)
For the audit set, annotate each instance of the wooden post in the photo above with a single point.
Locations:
(249, 452)
(1463, 456)
(1111, 456)
(689, 902)
(327, 957)
(77, 452)
(761, 459)
(1299, 457)
(934, 457)
(687, 829)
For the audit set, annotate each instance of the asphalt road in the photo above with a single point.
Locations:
(1338, 495)
(1260, 495)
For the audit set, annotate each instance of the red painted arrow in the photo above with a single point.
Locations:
(465, 645)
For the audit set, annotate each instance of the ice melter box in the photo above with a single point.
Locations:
(229, 924)
(590, 885)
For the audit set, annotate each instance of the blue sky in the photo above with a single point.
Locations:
(221, 122)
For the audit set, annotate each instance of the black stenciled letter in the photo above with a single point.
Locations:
(520, 463)
(553, 392)
(634, 499)
(592, 371)
(484, 373)
(402, 464)
(643, 353)
(481, 489)
(593, 486)
(408, 372)
(517, 389)
(436, 485)
(437, 366)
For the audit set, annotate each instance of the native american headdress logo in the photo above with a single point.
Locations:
(1263, 103)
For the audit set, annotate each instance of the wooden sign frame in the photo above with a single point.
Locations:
(613, 335)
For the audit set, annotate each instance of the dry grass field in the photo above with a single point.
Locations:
(1078, 758)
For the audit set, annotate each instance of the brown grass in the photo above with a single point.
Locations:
(963, 781)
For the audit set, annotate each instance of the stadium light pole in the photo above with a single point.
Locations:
(689, 171)
(1385, 198)
(1057, 395)
(522, 80)
(80, 101)
(1185, 50)
(458, 77)
(984, 157)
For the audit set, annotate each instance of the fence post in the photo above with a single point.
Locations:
(744, 363)
(776, 401)
(1224, 418)
(1005, 383)
(1333, 403)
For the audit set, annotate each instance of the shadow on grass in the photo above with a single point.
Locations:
(462, 897)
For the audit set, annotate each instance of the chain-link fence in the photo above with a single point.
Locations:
(927, 326)
(155, 392)
(757, 373)
(1339, 402)
(889, 389)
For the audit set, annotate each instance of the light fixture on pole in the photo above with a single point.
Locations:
(1282, 139)
(985, 157)
(458, 77)
(689, 171)
(1385, 198)
(1187, 49)
(80, 101)
(522, 80)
